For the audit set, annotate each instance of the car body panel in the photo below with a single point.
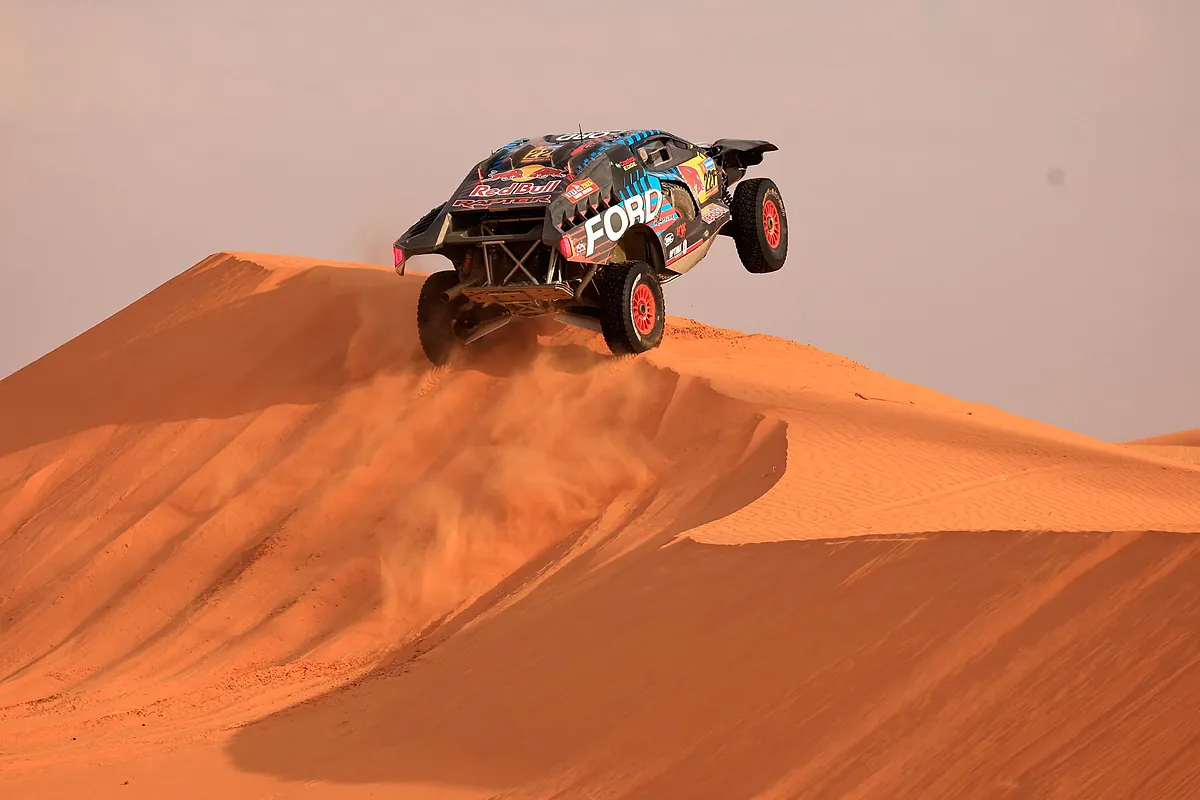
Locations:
(594, 189)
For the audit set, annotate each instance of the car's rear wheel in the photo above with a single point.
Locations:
(437, 316)
(760, 229)
(633, 313)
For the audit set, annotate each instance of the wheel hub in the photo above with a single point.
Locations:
(772, 228)
(643, 308)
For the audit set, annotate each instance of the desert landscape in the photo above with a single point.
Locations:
(253, 545)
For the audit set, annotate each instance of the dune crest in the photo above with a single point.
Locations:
(1183, 446)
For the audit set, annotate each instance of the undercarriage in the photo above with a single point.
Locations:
(506, 270)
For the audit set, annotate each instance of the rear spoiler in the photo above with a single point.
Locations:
(736, 155)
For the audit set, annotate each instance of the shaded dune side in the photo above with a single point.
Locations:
(941, 665)
(257, 484)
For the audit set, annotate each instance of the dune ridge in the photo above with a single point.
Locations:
(1182, 446)
(242, 512)
(1190, 438)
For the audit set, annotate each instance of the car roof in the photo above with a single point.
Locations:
(572, 150)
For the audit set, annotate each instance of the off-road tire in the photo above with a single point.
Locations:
(760, 230)
(436, 318)
(633, 312)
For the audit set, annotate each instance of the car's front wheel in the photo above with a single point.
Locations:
(760, 229)
(633, 314)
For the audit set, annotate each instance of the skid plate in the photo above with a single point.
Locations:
(519, 293)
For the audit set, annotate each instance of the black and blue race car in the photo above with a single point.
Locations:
(587, 227)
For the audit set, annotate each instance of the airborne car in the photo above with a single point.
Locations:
(587, 227)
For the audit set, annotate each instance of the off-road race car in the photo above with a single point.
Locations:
(587, 227)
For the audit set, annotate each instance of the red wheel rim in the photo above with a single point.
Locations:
(643, 309)
(771, 226)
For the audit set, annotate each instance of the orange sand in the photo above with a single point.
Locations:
(252, 545)
(1184, 446)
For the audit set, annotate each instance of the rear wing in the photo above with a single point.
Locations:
(737, 155)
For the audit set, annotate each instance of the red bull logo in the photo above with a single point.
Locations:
(701, 177)
(514, 189)
(695, 180)
(532, 172)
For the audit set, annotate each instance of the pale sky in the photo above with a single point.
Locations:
(138, 136)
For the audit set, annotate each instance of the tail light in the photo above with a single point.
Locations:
(398, 255)
(564, 247)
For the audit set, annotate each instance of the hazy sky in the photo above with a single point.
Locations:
(138, 136)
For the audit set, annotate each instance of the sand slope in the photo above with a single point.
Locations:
(249, 490)
(1182, 439)
(1183, 446)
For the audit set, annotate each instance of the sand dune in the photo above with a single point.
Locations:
(1181, 439)
(251, 543)
(1183, 446)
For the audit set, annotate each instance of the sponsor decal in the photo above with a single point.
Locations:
(513, 189)
(523, 174)
(681, 249)
(700, 178)
(714, 212)
(576, 137)
(581, 189)
(539, 154)
(477, 203)
(665, 220)
(670, 237)
(517, 186)
(612, 224)
(627, 164)
(681, 229)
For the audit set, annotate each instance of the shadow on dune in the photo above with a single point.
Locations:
(945, 664)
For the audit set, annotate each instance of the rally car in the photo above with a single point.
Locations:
(587, 227)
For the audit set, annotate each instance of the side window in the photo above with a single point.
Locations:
(658, 154)
(654, 154)
(678, 152)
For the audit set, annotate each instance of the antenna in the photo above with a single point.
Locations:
(580, 132)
